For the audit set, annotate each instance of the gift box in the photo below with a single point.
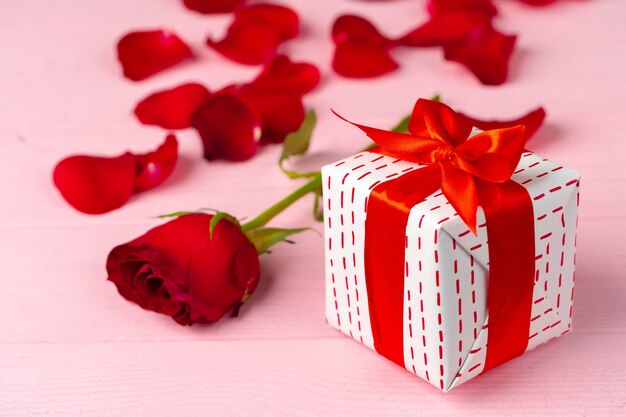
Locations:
(419, 287)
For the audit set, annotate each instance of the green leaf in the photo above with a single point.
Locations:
(436, 97)
(297, 143)
(403, 125)
(265, 238)
(220, 215)
(318, 209)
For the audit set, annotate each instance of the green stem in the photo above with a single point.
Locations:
(262, 219)
(314, 185)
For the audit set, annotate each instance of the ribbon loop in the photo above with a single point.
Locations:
(441, 136)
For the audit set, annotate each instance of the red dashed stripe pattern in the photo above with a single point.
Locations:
(446, 318)
(347, 185)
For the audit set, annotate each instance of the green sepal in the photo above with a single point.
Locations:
(220, 215)
(184, 213)
(297, 144)
(175, 214)
(265, 238)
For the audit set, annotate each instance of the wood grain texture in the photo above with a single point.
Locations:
(70, 346)
(297, 377)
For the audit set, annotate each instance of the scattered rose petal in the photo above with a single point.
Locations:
(283, 74)
(276, 93)
(145, 53)
(248, 44)
(444, 28)
(275, 96)
(281, 112)
(280, 19)
(437, 7)
(155, 167)
(256, 33)
(538, 2)
(355, 59)
(462, 27)
(212, 6)
(349, 26)
(229, 126)
(485, 52)
(173, 108)
(96, 185)
(532, 121)
(361, 51)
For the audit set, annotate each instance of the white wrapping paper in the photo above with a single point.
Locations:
(445, 326)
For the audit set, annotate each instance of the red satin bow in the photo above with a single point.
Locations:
(439, 135)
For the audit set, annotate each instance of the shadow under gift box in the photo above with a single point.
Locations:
(445, 314)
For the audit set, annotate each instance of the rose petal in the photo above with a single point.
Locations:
(538, 2)
(361, 51)
(212, 6)
(280, 19)
(96, 185)
(350, 27)
(285, 75)
(173, 108)
(155, 167)
(148, 277)
(239, 269)
(249, 44)
(485, 52)
(445, 28)
(256, 33)
(280, 112)
(276, 95)
(230, 127)
(143, 54)
(356, 59)
(532, 121)
(436, 7)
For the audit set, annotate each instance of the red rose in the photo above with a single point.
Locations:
(182, 270)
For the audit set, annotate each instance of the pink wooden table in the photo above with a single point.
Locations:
(69, 345)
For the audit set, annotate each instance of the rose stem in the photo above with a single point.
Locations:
(314, 184)
(262, 219)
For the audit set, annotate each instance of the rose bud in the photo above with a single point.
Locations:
(192, 269)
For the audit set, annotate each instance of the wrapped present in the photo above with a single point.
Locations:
(449, 250)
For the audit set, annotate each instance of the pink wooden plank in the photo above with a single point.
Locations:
(298, 377)
(70, 346)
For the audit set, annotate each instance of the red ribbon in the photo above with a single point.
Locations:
(470, 171)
